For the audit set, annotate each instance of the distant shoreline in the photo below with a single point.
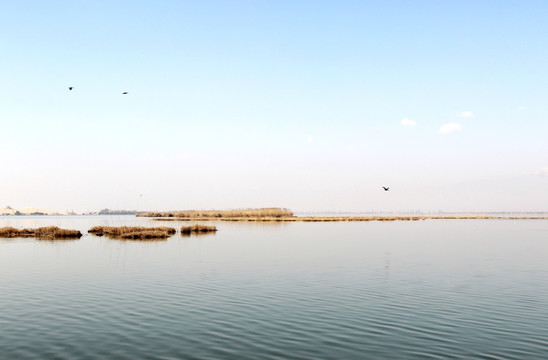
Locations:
(286, 215)
(349, 218)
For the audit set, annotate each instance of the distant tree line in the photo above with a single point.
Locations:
(117, 212)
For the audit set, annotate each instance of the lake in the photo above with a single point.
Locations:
(364, 290)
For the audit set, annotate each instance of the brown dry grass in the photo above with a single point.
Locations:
(133, 232)
(197, 228)
(145, 235)
(10, 232)
(49, 232)
(218, 214)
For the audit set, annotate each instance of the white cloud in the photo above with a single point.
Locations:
(449, 128)
(463, 115)
(407, 122)
(543, 172)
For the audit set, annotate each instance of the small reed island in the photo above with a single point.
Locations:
(285, 215)
(264, 214)
(197, 229)
(250, 214)
(42, 233)
(133, 232)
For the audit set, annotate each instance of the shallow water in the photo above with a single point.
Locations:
(421, 289)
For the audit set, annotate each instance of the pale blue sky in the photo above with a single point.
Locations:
(274, 103)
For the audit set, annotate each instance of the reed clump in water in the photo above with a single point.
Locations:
(48, 232)
(145, 235)
(11, 232)
(133, 232)
(220, 214)
(197, 229)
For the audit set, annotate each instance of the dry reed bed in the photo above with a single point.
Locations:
(133, 232)
(47, 233)
(219, 214)
(197, 229)
(349, 218)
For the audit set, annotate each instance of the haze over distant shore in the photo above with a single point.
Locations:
(29, 210)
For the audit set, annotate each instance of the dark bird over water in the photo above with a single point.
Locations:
(70, 87)
(385, 188)
(124, 93)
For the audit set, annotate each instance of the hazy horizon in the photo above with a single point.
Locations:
(310, 106)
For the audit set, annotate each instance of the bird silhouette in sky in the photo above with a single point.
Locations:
(386, 188)
(125, 93)
(70, 87)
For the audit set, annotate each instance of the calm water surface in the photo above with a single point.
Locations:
(378, 290)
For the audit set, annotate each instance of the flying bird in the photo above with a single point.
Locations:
(70, 87)
(124, 93)
(386, 188)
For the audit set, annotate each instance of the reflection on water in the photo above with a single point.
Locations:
(136, 240)
(429, 289)
(187, 235)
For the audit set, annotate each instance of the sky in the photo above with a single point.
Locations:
(306, 105)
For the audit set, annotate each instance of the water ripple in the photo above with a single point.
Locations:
(241, 296)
